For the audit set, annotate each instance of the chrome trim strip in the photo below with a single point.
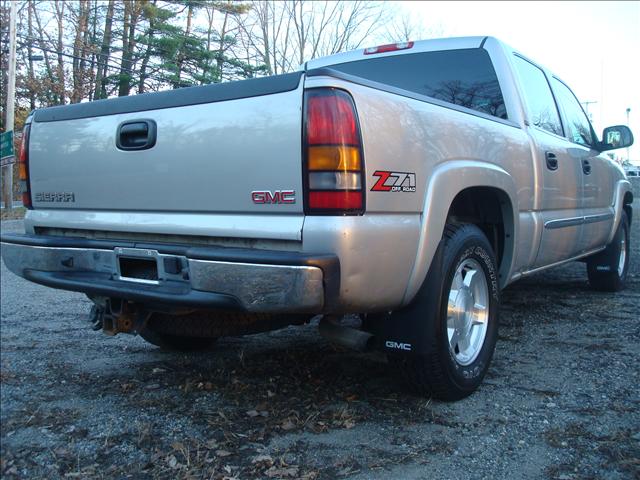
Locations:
(573, 221)
(564, 222)
(601, 217)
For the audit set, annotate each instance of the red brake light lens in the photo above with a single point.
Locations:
(336, 200)
(333, 154)
(331, 121)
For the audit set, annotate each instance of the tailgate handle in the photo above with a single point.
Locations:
(136, 135)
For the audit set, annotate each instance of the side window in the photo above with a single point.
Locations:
(578, 126)
(464, 77)
(542, 106)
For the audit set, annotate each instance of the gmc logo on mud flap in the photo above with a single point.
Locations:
(398, 346)
(277, 197)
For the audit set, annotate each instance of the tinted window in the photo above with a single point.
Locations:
(578, 126)
(464, 77)
(542, 106)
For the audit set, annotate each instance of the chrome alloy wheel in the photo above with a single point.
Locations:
(623, 254)
(467, 311)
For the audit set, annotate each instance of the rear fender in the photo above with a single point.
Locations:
(621, 189)
(446, 181)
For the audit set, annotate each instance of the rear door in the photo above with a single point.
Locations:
(557, 166)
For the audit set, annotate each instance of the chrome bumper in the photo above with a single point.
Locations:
(250, 280)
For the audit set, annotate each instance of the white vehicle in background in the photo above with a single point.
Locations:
(632, 170)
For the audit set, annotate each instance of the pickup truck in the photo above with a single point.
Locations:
(405, 183)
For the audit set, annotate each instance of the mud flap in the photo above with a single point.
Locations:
(604, 261)
(407, 330)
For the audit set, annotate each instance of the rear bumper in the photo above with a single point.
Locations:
(198, 277)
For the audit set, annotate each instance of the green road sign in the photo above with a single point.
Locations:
(6, 144)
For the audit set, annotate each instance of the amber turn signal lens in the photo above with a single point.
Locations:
(22, 171)
(334, 158)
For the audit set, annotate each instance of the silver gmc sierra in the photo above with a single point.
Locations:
(407, 183)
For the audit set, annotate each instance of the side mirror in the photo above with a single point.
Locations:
(618, 136)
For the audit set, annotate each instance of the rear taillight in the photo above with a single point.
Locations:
(23, 167)
(334, 181)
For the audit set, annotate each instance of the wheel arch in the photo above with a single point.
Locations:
(490, 209)
(622, 202)
(448, 184)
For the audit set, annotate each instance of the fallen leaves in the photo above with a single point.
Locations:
(263, 459)
(257, 413)
(282, 472)
(287, 425)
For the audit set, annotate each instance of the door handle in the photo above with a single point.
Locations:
(586, 167)
(552, 160)
(136, 135)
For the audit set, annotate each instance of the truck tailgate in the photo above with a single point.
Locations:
(208, 157)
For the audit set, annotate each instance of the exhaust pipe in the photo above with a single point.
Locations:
(348, 337)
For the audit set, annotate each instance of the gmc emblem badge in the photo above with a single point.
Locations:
(277, 197)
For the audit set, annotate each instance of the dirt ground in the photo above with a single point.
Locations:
(561, 399)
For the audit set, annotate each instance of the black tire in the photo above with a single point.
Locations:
(603, 269)
(437, 372)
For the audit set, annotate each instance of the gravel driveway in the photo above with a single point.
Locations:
(561, 400)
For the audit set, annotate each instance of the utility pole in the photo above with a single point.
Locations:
(7, 185)
(586, 107)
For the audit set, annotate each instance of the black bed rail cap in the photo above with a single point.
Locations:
(217, 92)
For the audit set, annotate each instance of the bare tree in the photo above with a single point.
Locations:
(403, 28)
(59, 16)
(30, 71)
(285, 34)
(50, 85)
(103, 58)
(132, 15)
(80, 12)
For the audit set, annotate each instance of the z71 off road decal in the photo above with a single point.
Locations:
(394, 181)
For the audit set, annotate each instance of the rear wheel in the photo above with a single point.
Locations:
(463, 334)
(607, 270)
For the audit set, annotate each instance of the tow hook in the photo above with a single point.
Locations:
(118, 316)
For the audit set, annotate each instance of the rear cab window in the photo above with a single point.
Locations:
(464, 77)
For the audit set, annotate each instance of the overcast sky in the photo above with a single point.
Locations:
(593, 46)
